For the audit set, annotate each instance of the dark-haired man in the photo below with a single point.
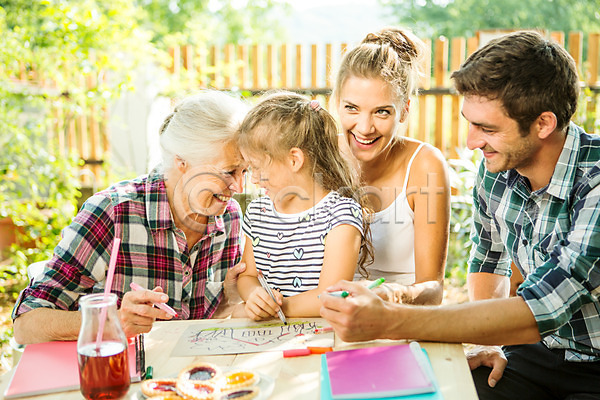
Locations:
(537, 204)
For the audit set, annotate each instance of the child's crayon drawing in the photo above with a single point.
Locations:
(250, 337)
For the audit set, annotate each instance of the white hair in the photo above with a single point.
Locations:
(199, 127)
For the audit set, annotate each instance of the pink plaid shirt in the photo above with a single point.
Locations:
(153, 252)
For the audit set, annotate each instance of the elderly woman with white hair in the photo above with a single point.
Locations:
(179, 230)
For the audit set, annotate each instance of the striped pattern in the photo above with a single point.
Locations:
(153, 252)
(289, 248)
(553, 236)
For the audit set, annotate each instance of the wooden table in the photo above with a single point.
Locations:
(295, 378)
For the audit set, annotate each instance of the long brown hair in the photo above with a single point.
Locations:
(283, 120)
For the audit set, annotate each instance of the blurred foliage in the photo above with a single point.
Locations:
(463, 171)
(588, 111)
(177, 22)
(49, 50)
(38, 191)
(452, 18)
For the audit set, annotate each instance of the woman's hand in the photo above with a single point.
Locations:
(260, 305)
(137, 312)
(386, 292)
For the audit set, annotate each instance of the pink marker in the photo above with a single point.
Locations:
(162, 306)
(324, 330)
(296, 353)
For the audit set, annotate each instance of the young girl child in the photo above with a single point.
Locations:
(307, 232)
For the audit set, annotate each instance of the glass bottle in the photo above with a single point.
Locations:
(103, 363)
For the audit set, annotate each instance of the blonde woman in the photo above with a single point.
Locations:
(405, 180)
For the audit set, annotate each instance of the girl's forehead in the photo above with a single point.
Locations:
(252, 158)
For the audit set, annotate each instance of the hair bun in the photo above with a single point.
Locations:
(397, 39)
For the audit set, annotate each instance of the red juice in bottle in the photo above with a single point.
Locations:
(104, 372)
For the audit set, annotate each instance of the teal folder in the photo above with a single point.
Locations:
(326, 387)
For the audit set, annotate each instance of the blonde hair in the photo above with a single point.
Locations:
(393, 55)
(199, 127)
(283, 120)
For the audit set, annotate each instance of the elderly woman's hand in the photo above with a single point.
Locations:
(137, 312)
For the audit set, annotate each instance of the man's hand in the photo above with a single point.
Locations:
(488, 356)
(137, 312)
(358, 317)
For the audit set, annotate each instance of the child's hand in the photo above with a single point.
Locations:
(260, 305)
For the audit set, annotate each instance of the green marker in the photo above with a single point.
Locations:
(343, 294)
(376, 283)
(340, 293)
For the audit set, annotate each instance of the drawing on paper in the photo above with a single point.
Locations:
(247, 337)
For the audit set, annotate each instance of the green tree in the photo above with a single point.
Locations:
(430, 18)
(198, 21)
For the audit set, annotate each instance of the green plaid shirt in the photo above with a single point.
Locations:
(553, 236)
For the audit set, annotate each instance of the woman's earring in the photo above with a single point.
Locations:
(181, 162)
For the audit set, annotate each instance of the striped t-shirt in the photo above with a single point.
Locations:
(289, 248)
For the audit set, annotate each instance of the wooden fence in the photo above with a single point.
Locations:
(304, 68)
(80, 130)
(308, 69)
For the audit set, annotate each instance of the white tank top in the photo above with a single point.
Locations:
(393, 235)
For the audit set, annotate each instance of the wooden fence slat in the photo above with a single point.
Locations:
(284, 66)
(328, 64)
(298, 82)
(576, 49)
(558, 37)
(256, 67)
(175, 53)
(105, 130)
(213, 61)
(270, 66)
(314, 65)
(593, 58)
(592, 76)
(229, 64)
(472, 45)
(93, 133)
(456, 58)
(188, 57)
(243, 65)
(423, 126)
(440, 68)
